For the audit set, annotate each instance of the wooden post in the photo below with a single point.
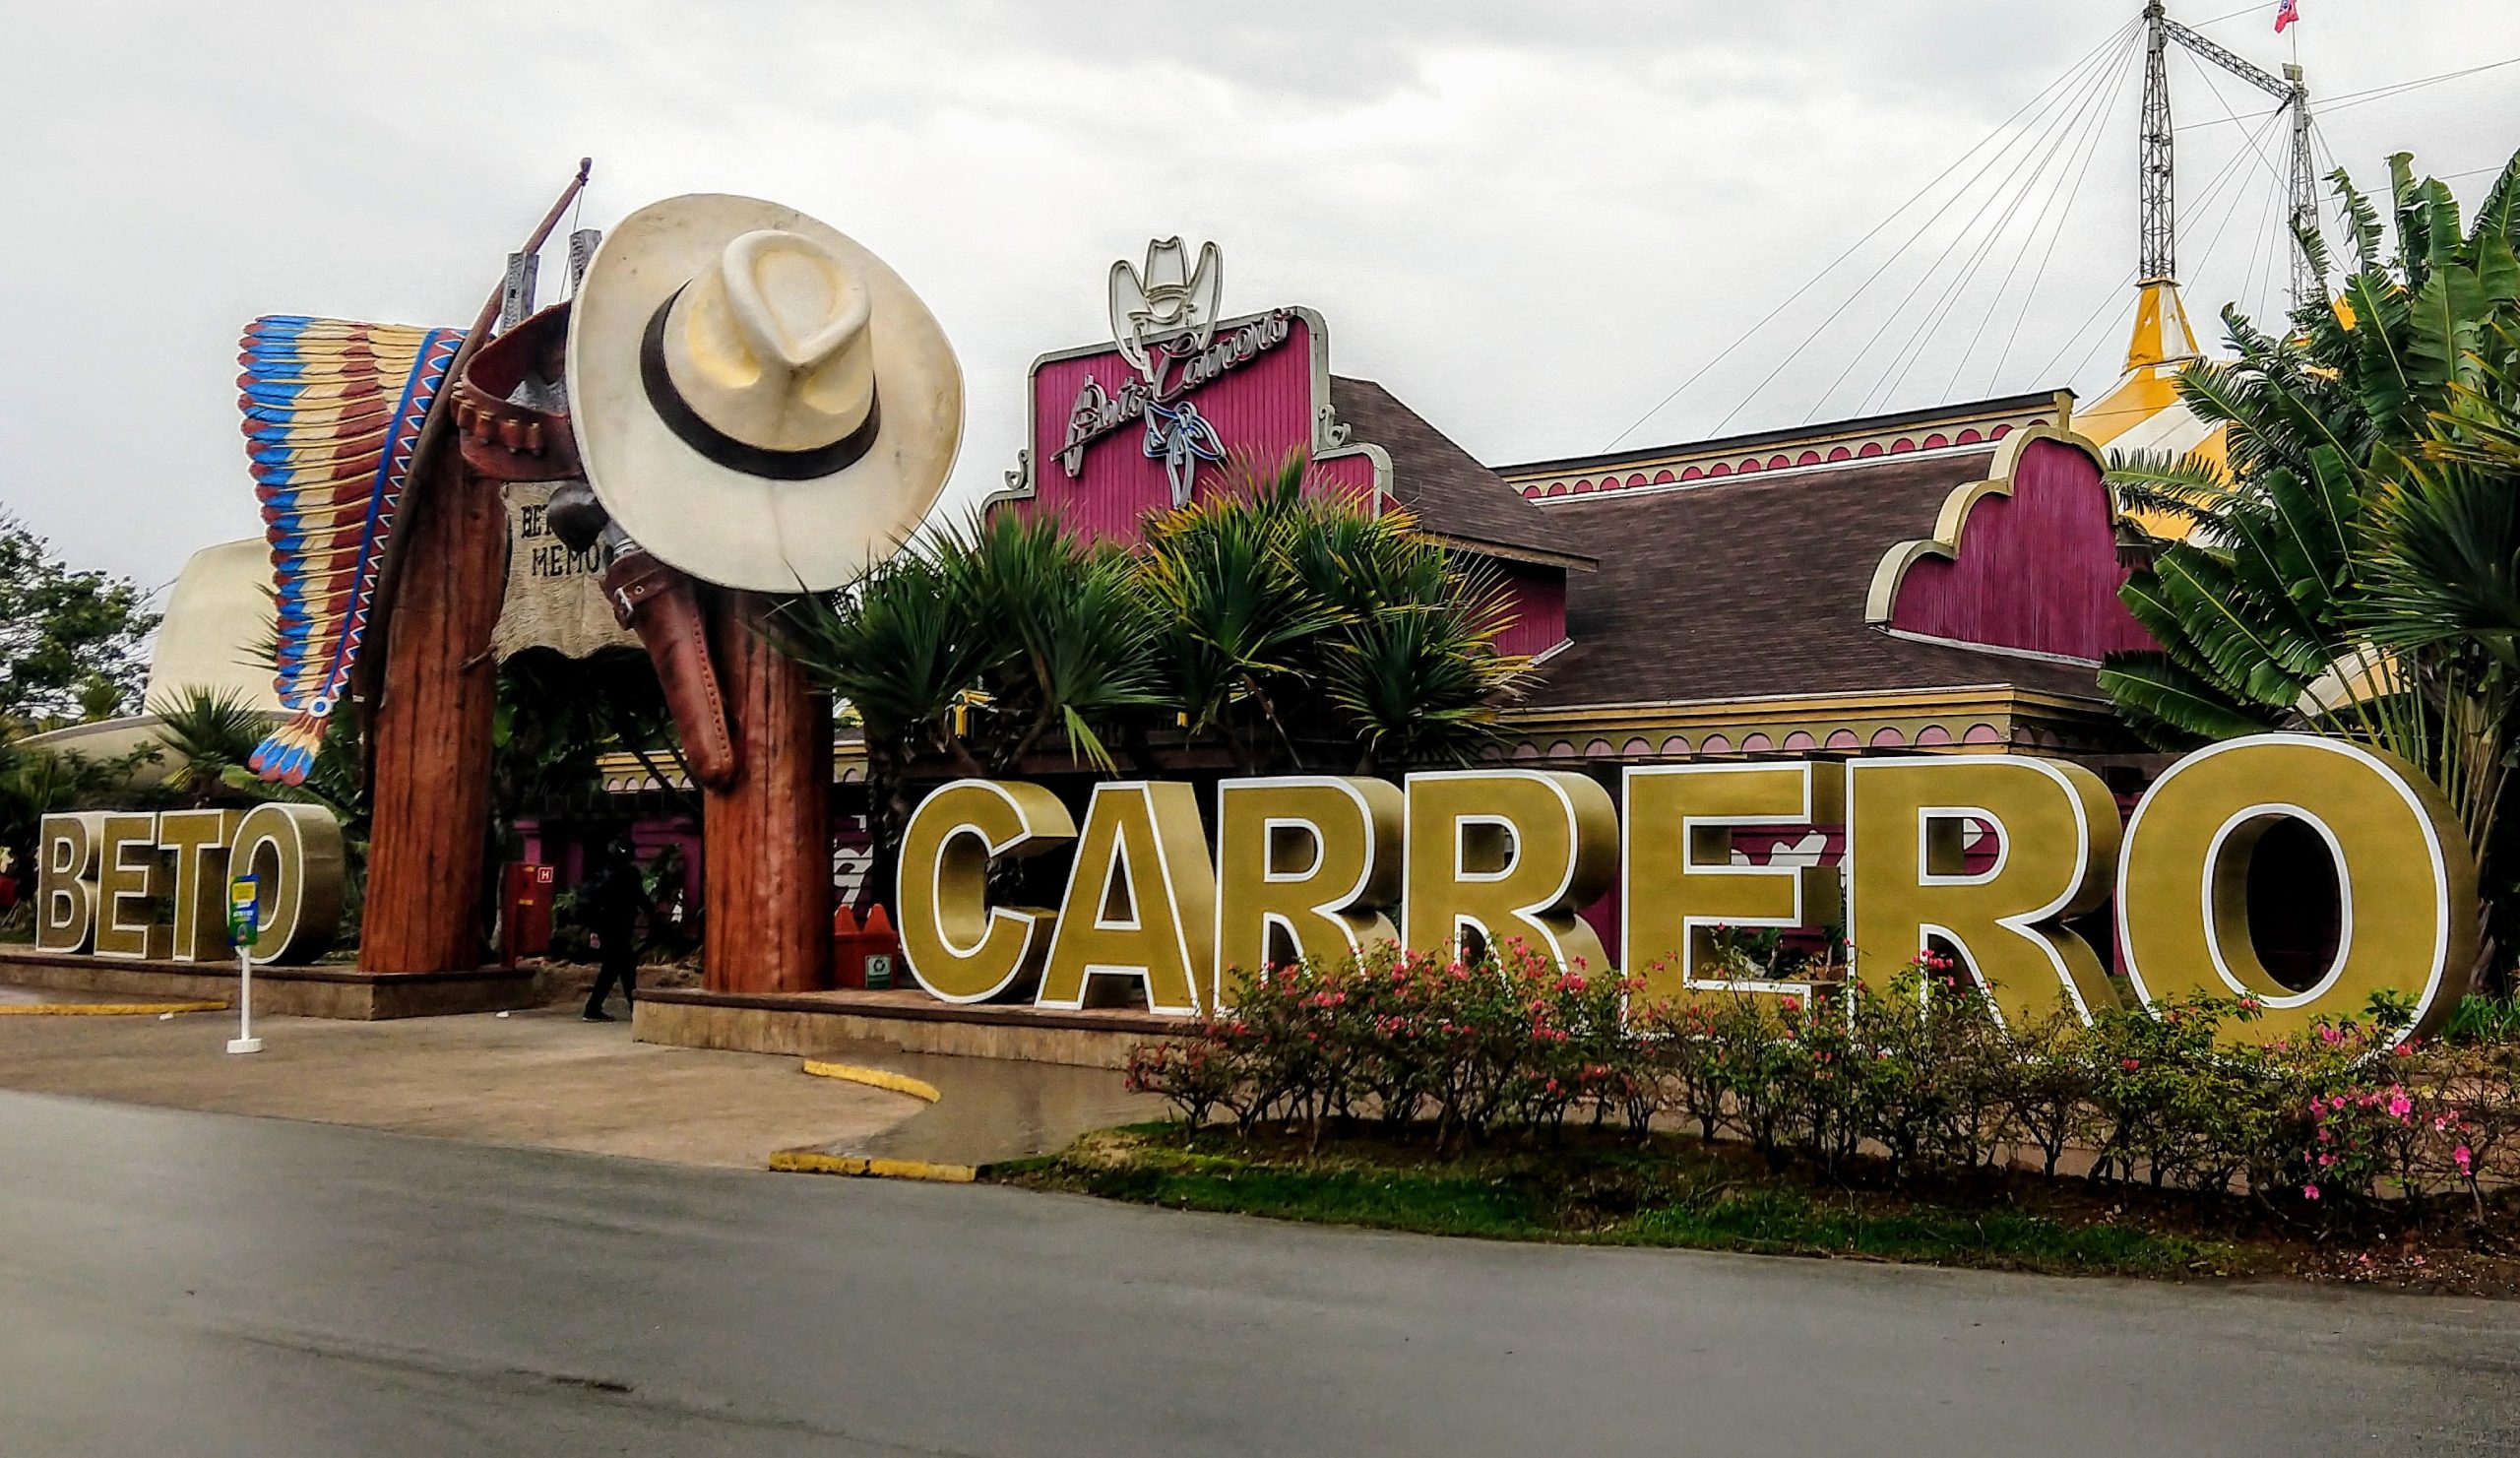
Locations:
(431, 729)
(767, 837)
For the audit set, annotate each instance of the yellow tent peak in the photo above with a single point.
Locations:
(2162, 332)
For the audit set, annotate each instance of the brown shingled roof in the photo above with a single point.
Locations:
(1451, 494)
(1755, 586)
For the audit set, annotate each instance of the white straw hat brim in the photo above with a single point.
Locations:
(719, 524)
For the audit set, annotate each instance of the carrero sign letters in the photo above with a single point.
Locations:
(1324, 866)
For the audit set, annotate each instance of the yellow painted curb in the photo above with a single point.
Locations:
(809, 1162)
(879, 1078)
(103, 1009)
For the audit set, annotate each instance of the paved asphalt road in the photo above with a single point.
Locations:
(176, 1282)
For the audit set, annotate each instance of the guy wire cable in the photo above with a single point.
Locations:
(1814, 280)
(2055, 234)
(2077, 131)
(1901, 251)
(1903, 358)
(2205, 199)
(2062, 192)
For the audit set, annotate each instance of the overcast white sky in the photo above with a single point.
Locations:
(1530, 221)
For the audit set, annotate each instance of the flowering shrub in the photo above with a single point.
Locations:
(1409, 1037)
(1922, 1075)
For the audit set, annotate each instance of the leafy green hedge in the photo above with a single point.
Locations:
(1919, 1080)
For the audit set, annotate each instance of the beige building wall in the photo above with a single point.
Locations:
(217, 619)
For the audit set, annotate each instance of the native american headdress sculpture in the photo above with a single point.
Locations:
(332, 410)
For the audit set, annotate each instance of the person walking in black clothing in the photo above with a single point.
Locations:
(616, 895)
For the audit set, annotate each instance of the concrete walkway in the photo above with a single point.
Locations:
(539, 1078)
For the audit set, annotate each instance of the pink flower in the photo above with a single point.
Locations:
(1791, 1003)
(2462, 1157)
(2330, 1037)
(2400, 1106)
(2310, 1192)
(2130, 1064)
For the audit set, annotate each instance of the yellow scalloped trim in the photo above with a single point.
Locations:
(1953, 519)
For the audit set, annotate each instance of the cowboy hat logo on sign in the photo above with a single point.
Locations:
(1164, 319)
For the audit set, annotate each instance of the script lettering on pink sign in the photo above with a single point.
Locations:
(1256, 385)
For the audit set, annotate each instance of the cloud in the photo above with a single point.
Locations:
(1529, 220)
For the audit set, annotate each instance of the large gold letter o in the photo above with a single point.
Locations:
(2408, 883)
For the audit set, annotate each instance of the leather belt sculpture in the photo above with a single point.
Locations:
(507, 439)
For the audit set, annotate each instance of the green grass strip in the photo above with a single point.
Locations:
(1606, 1198)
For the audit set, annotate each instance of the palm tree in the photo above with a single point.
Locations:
(213, 732)
(978, 650)
(1064, 638)
(2351, 571)
(1240, 626)
(1270, 618)
(1411, 674)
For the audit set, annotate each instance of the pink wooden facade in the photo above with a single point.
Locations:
(2036, 571)
(1540, 607)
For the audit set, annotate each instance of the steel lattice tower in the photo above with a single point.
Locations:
(2158, 244)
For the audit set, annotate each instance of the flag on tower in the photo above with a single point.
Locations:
(2286, 14)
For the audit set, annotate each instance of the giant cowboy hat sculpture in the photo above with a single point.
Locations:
(754, 401)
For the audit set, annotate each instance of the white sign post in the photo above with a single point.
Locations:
(244, 918)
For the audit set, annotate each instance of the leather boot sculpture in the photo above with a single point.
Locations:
(739, 397)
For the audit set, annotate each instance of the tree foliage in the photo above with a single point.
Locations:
(1287, 627)
(35, 783)
(73, 645)
(1284, 627)
(2354, 569)
(213, 733)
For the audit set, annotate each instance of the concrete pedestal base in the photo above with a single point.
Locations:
(811, 1023)
(280, 991)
